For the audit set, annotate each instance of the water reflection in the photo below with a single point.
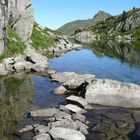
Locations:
(16, 96)
(111, 60)
(125, 52)
(20, 94)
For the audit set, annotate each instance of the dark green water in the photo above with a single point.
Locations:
(20, 94)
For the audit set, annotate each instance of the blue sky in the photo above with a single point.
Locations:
(55, 13)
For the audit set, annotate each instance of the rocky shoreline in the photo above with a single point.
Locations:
(72, 120)
(33, 60)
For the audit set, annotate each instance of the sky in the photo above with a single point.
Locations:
(55, 13)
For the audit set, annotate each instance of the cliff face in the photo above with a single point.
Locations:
(19, 15)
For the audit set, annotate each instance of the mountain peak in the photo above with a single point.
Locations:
(101, 15)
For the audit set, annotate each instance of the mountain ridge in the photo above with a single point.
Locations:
(72, 26)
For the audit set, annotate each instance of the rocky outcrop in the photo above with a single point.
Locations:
(86, 37)
(129, 23)
(19, 15)
(62, 45)
(30, 61)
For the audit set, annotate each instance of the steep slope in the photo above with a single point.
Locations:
(71, 27)
(123, 27)
(18, 14)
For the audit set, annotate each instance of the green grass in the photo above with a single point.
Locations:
(15, 45)
(40, 38)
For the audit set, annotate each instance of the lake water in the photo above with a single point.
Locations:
(118, 62)
(22, 93)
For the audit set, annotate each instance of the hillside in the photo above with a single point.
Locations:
(123, 27)
(71, 27)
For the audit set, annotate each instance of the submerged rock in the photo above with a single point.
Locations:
(113, 93)
(66, 134)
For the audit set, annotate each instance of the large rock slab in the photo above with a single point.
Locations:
(72, 80)
(113, 93)
(77, 100)
(78, 80)
(66, 134)
(44, 112)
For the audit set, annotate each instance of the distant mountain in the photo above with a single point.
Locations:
(71, 27)
(123, 27)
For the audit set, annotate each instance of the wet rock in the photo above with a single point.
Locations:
(60, 90)
(26, 129)
(75, 108)
(77, 100)
(66, 134)
(41, 129)
(42, 137)
(113, 93)
(44, 112)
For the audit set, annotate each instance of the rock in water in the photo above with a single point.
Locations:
(75, 108)
(113, 93)
(66, 134)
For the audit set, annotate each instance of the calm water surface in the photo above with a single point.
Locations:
(118, 62)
